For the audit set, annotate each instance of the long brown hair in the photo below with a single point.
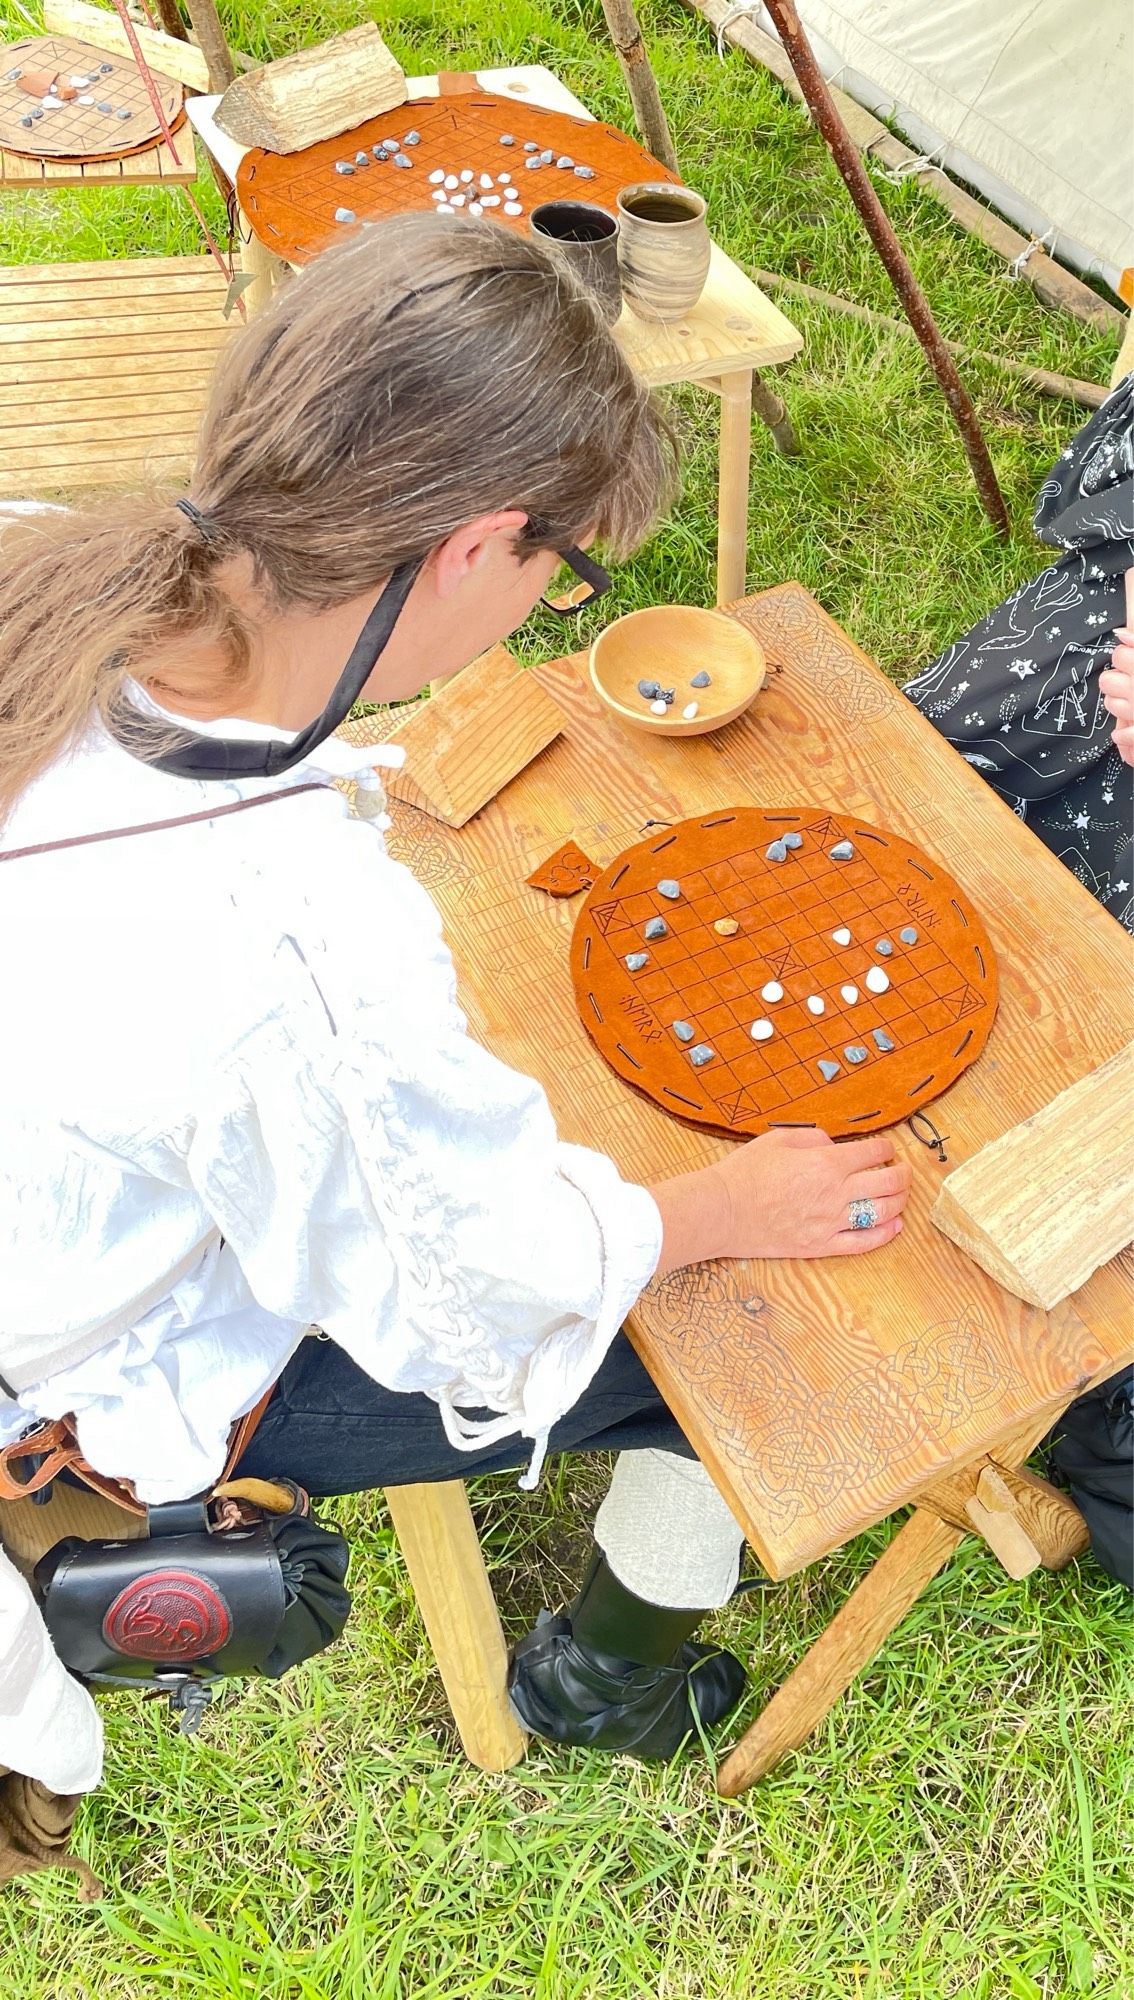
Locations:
(422, 372)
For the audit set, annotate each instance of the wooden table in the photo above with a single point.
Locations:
(822, 1396)
(733, 330)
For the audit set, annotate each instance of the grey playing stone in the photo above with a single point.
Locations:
(345, 215)
(402, 160)
(909, 935)
(106, 69)
(106, 109)
(656, 928)
(635, 960)
(701, 680)
(841, 851)
(28, 122)
(412, 139)
(506, 139)
(701, 1055)
(683, 1031)
(585, 173)
(362, 160)
(391, 146)
(380, 155)
(776, 852)
(533, 160)
(123, 113)
(854, 1053)
(882, 1040)
(547, 156)
(530, 146)
(668, 887)
(14, 76)
(343, 167)
(884, 948)
(649, 690)
(828, 1070)
(565, 160)
(38, 113)
(793, 840)
(667, 695)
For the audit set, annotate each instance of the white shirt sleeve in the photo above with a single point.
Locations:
(49, 1726)
(377, 1172)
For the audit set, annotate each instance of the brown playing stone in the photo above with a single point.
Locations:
(726, 927)
(565, 873)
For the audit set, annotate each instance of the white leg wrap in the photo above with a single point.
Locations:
(667, 1534)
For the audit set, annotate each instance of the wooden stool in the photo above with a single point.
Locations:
(104, 371)
(434, 1526)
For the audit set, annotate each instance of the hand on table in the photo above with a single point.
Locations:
(786, 1194)
(1117, 685)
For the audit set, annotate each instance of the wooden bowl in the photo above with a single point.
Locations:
(669, 643)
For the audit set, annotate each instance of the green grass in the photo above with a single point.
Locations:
(961, 1826)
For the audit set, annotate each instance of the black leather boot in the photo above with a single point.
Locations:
(616, 1673)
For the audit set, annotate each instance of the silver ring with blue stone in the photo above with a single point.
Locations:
(862, 1215)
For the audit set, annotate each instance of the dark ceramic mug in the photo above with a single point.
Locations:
(585, 237)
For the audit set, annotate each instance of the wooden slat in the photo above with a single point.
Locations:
(180, 320)
(112, 272)
(151, 168)
(205, 283)
(99, 389)
(58, 471)
(197, 340)
(102, 30)
(136, 418)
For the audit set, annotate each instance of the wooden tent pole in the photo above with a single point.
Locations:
(169, 15)
(914, 303)
(640, 80)
(211, 42)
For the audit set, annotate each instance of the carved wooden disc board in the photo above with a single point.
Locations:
(937, 1009)
(291, 199)
(35, 121)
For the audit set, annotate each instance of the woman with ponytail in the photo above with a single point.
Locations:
(239, 1100)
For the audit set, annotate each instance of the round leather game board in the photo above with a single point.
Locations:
(78, 127)
(935, 1012)
(291, 199)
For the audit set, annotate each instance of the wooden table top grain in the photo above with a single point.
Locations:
(821, 1395)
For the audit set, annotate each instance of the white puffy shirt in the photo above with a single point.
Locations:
(238, 1099)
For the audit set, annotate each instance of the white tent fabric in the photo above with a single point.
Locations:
(1029, 101)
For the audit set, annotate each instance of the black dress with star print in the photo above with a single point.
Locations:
(1019, 694)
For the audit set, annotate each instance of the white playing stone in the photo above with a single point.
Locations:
(503, 180)
(466, 176)
(816, 1004)
(761, 1031)
(850, 994)
(458, 201)
(437, 194)
(689, 711)
(511, 194)
(491, 201)
(444, 208)
(842, 935)
(451, 181)
(86, 100)
(772, 991)
(877, 981)
(513, 208)
(437, 177)
(486, 181)
(476, 208)
(659, 708)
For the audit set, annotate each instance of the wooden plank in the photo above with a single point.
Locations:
(732, 327)
(155, 166)
(77, 355)
(1048, 1202)
(470, 738)
(103, 30)
(49, 300)
(183, 385)
(126, 417)
(115, 325)
(314, 94)
(108, 307)
(110, 270)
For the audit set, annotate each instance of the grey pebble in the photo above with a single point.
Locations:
(841, 851)
(506, 139)
(854, 1053)
(380, 154)
(391, 146)
(793, 840)
(701, 1055)
(656, 928)
(564, 160)
(37, 114)
(533, 160)
(362, 160)
(776, 852)
(123, 113)
(106, 69)
(884, 948)
(649, 690)
(14, 76)
(547, 156)
(829, 1070)
(635, 960)
(701, 680)
(106, 109)
(669, 887)
(667, 695)
(401, 160)
(585, 173)
(28, 122)
(909, 935)
(530, 146)
(412, 139)
(343, 167)
(683, 1031)
(345, 215)
(882, 1040)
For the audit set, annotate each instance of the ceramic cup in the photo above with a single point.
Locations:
(663, 248)
(585, 237)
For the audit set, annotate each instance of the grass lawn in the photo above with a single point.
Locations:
(961, 1827)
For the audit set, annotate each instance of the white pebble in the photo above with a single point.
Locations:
(815, 1004)
(445, 208)
(512, 208)
(437, 177)
(772, 991)
(659, 708)
(491, 201)
(850, 994)
(437, 194)
(842, 935)
(77, 82)
(86, 100)
(503, 180)
(451, 181)
(458, 201)
(466, 176)
(761, 1031)
(476, 208)
(689, 711)
(877, 981)
(486, 180)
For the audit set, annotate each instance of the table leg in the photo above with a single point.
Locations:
(732, 490)
(258, 261)
(920, 1548)
(438, 1540)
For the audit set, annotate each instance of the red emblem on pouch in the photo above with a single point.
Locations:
(170, 1614)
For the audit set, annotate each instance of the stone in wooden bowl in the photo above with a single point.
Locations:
(670, 645)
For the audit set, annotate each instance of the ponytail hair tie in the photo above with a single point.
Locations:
(207, 529)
